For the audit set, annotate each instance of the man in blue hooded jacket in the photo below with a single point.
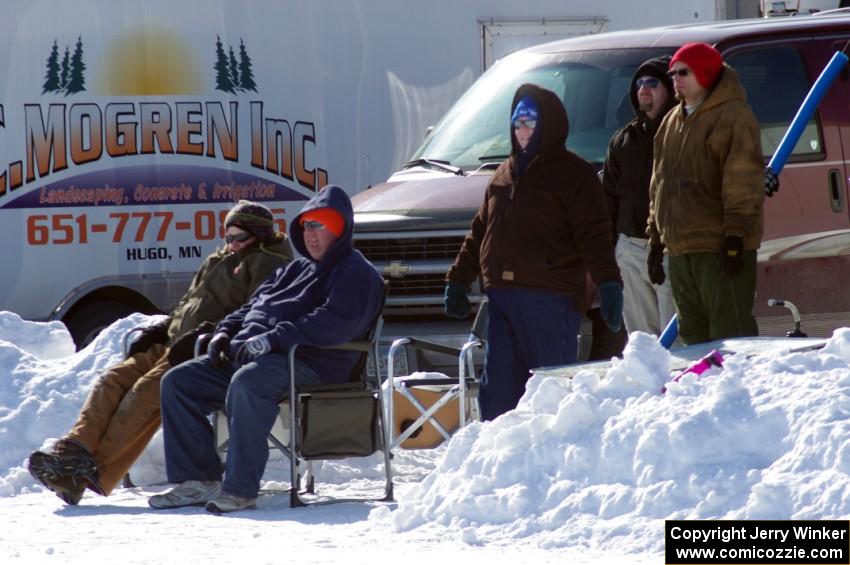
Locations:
(328, 297)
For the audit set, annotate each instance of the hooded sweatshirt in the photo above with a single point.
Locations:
(315, 303)
(628, 163)
(544, 228)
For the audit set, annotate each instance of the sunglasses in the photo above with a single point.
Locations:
(238, 237)
(680, 72)
(647, 82)
(530, 124)
(313, 225)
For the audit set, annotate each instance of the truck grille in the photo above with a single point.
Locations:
(418, 285)
(410, 249)
(415, 268)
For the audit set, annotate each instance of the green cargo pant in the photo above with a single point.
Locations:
(711, 304)
(121, 414)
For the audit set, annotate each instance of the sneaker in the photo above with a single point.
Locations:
(189, 493)
(227, 502)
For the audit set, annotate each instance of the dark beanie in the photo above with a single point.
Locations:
(656, 67)
(252, 217)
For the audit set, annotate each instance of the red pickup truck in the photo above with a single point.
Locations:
(412, 226)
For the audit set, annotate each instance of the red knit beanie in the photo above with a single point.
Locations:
(703, 59)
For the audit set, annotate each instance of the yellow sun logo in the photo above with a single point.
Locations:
(149, 62)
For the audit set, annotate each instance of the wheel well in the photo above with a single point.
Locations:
(96, 310)
(130, 298)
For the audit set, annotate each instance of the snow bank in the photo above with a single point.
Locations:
(598, 462)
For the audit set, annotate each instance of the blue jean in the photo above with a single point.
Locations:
(526, 329)
(249, 394)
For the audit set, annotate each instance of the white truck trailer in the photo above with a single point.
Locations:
(129, 127)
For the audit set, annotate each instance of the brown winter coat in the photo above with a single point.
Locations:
(224, 282)
(545, 229)
(708, 171)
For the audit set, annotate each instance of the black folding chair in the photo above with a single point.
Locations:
(330, 421)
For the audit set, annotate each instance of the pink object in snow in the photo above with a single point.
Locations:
(713, 359)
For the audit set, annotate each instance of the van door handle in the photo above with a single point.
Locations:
(836, 190)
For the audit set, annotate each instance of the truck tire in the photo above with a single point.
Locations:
(89, 319)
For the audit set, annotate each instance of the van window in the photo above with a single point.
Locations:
(776, 84)
(593, 85)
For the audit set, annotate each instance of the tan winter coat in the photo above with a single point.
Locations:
(708, 174)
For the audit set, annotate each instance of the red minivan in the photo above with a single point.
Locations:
(412, 226)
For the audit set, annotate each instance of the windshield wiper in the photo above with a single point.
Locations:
(493, 158)
(437, 164)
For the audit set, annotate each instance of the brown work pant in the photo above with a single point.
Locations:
(121, 414)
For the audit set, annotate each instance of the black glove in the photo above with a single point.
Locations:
(655, 264)
(732, 260)
(183, 348)
(456, 303)
(149, 336)
(611, 304)
(771, 182)
(218, 348)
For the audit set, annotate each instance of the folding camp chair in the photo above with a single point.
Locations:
(427, 415)
(330, 421)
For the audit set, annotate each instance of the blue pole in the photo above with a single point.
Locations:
(804, 113)
(670, 333)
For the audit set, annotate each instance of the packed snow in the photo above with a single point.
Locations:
(585, 469)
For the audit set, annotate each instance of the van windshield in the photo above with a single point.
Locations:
(593, 85)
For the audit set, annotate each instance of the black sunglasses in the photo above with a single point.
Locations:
(680, 72)
(238, 237)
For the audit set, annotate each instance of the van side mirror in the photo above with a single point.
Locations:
(428, 131)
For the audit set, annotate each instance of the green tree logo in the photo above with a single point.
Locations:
(77, 80)
(232, 75)
(67, 77)
(246, 75)
(222, 69)
(51, 77)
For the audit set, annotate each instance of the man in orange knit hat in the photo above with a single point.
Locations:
(329, 296)
(706, 198)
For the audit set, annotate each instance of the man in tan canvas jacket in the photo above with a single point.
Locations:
(706, 198)
(122, 413)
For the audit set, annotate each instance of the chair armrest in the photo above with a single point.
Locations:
(435, 347)
(362, 346)
(125, 342)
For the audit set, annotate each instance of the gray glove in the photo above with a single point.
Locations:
(253, 349)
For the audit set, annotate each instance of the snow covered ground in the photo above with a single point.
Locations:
(583, 471)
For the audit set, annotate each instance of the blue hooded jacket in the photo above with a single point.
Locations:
(314, 303)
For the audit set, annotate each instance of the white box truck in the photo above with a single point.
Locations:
(129, 127)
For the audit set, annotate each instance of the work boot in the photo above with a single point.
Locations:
(227, 502)
(67, 487)
(67, 459)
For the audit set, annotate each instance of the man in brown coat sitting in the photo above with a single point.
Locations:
(121, 413)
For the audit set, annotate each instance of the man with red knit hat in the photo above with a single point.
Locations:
(706, 198)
